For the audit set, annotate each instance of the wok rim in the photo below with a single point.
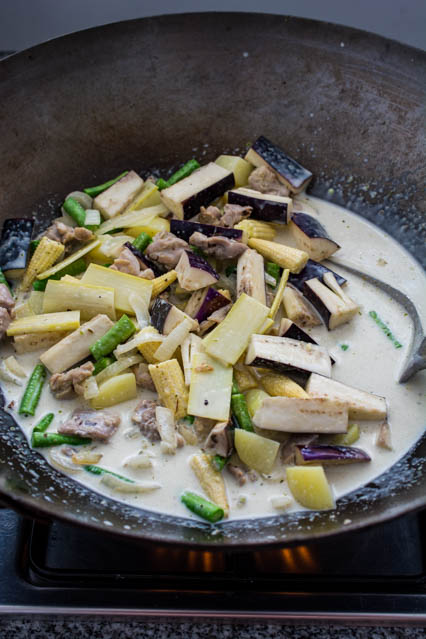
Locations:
(32, 506)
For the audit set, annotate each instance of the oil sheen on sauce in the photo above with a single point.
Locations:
(371, 362)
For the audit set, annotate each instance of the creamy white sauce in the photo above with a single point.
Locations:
(371, 363)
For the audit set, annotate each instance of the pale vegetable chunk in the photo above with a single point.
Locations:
(76, 346)
(239, 167)
(114, 391)
(229, 339)
(294, 415)
(89, 300)
(31, 342)
(254, 400)
(122, 283)
(255, 451)
(45, 323)
(210, 388)
(309, 486)
(114, 200)
(361, 404)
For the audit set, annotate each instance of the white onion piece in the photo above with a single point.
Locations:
(121, 486)
(82, 198)
(90, 388)
(92, 217)
(111, 244)
(7, 376)
(270, 280)
(167, 430)
(66, 219)
(173, 340)
(140, 308)
(62, 461)
(143, 337)
(14, 366)
(117, 367)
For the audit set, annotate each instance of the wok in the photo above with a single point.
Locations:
(152, 93)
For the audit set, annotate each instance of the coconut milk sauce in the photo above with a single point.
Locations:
(370, 363)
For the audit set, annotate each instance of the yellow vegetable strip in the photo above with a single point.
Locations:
(279, 294)
(45, 323)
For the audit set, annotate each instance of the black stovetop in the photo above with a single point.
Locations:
(373, 576)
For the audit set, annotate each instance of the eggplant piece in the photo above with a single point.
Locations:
(251, 275)
(203, 303)
(313, 455)
(194, 271)
(269, 208)
(184, 229)
(263, 152)
(165, 316)
(116, 198)
(15, 245)
(307, 415)
(311, 270)
(312, 237)
(334, 306)
(200, 188)
(283, 354)
(298, 309)
(147, 263)
(290, 329)
(361, 404)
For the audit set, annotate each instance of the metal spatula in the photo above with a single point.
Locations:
(416, 356)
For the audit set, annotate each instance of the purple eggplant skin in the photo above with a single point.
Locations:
(192, 205)
(318, 304)
(293, 173)
(196, 261)
(159, 312)
(184, 229)
(15, 243)
(295, 332)
(157, 270)
(263, 209)
(323, 454)
(311, 270)
(310, 226)
(211, 301)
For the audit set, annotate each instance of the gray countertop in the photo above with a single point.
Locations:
(103, 629)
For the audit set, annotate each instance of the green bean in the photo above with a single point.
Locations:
(118, 333)
(33, 390)
(162, 184)
(104, 362)
(43, 440)
(183, 172)
(44, 423)
(201, 507)
(75, 210)
(3, 280)
(33, 246)
(219, 462)
(273, 270)
(239, 408)
(75, 268)
(230, 270)
(93, 191)
(97, 470)
(142, 241)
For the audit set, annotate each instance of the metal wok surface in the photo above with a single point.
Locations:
(149, 94)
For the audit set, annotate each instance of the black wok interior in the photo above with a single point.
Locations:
(150, 94)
